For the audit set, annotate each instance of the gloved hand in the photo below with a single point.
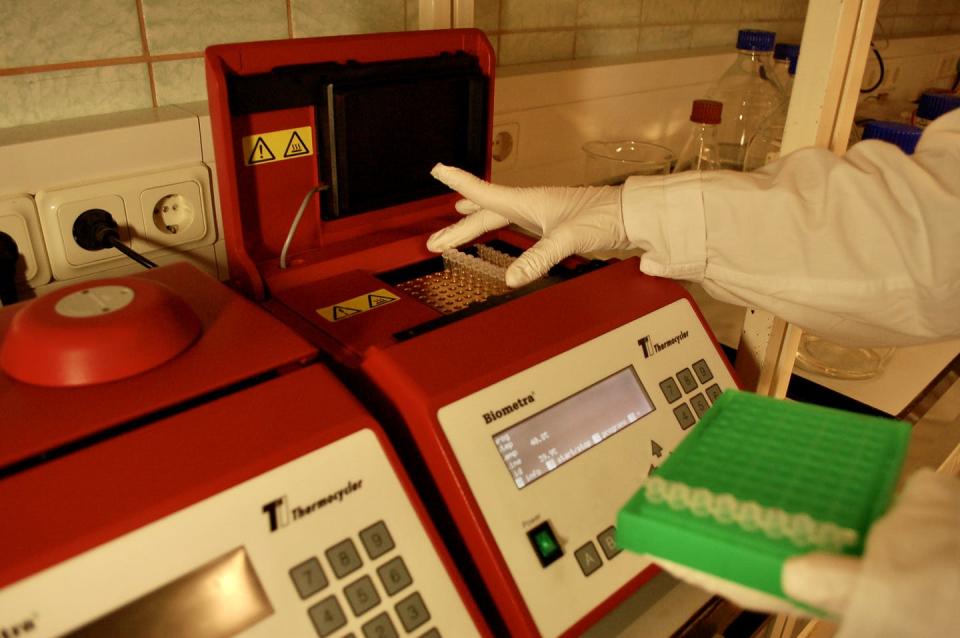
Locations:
(908, 581)
(570, 220)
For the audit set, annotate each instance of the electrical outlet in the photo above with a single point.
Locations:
(159, 214)
(177, 213)
(505, 145)
(18, 218)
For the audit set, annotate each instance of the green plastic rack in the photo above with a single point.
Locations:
(760, 480)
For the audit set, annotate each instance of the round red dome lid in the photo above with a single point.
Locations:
(96, 332)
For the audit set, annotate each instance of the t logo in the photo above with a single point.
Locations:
(645, 344)
(278, 512)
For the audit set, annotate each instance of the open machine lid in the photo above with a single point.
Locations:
(345, 129)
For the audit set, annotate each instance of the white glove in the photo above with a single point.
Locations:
(908, 581)
(570, 220)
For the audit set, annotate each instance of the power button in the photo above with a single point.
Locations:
(545, 544)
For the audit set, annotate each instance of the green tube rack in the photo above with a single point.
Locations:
(760, 480)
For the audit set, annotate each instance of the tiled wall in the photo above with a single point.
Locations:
(68, 58)
(547, 30)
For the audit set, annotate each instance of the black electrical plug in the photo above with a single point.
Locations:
(9, 256)
(96, 229)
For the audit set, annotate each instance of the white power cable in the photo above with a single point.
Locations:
(296, 222)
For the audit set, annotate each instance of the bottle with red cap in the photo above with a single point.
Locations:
(702, 150)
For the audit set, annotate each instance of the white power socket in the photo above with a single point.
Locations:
(158, 214)
(18, 218)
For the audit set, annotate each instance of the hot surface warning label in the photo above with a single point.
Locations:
(359, 304)
(276, 146)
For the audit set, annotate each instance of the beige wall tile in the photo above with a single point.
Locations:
(181, 26)
(543, 46)
(793, 9)
(486, 15)
(180, 81)
(542, 14)
(593, 43)
(887, 8)
(56, 95)
(790, 31)
(413, 15)
(333, 17)
(615, 13)
(668, 11)
(665, 38)
(35, 32)
(716, 10)
(714, 35)
(760, 9)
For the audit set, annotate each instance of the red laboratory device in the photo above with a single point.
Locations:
(526, 417)
(174, 462)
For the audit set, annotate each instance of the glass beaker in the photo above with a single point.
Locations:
(613, 162)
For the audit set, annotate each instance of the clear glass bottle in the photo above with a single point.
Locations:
(933, 105)
(702, 151)
(749, 91)
(785, 56)
(841, 361)
(764, 147)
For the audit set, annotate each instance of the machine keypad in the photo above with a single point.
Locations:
(412, 611)
(608, 542)
(376, 540)
(702, 370)
(394, 576)
(714, 392)
(700, 404)
(687, 380)
(684, 416)
(588, 558)
(344, 558)
(327, 616)
(308, 577)
(670, 389)
(363, 593)
(362, 596)
(380, 627)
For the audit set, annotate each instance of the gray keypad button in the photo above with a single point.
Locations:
(394, 576)
(327, 616)
(702, 370)
(714, 392)
(343, 558)
(684, 416)
(670, 389)
(379, 627)
(376, 540)
(686, 379)
(308, 577)
(412, 612)
(588, 558)
(362, 595)
(433, 633)
(608, 542)
(700, 404)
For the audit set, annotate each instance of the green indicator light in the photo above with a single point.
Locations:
(546, 543)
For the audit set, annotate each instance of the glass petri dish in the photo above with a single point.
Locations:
(612, 162)
(838, 361)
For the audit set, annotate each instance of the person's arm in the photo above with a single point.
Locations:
(864, 247)
(861, 248)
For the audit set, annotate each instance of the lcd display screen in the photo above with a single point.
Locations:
(216, 600)
(543, 442)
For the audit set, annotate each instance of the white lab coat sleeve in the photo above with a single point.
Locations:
(863, 248)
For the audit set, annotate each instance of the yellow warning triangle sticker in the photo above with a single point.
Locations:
(378, 300)
(296, 146)
(260, 153)
(339, 312)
